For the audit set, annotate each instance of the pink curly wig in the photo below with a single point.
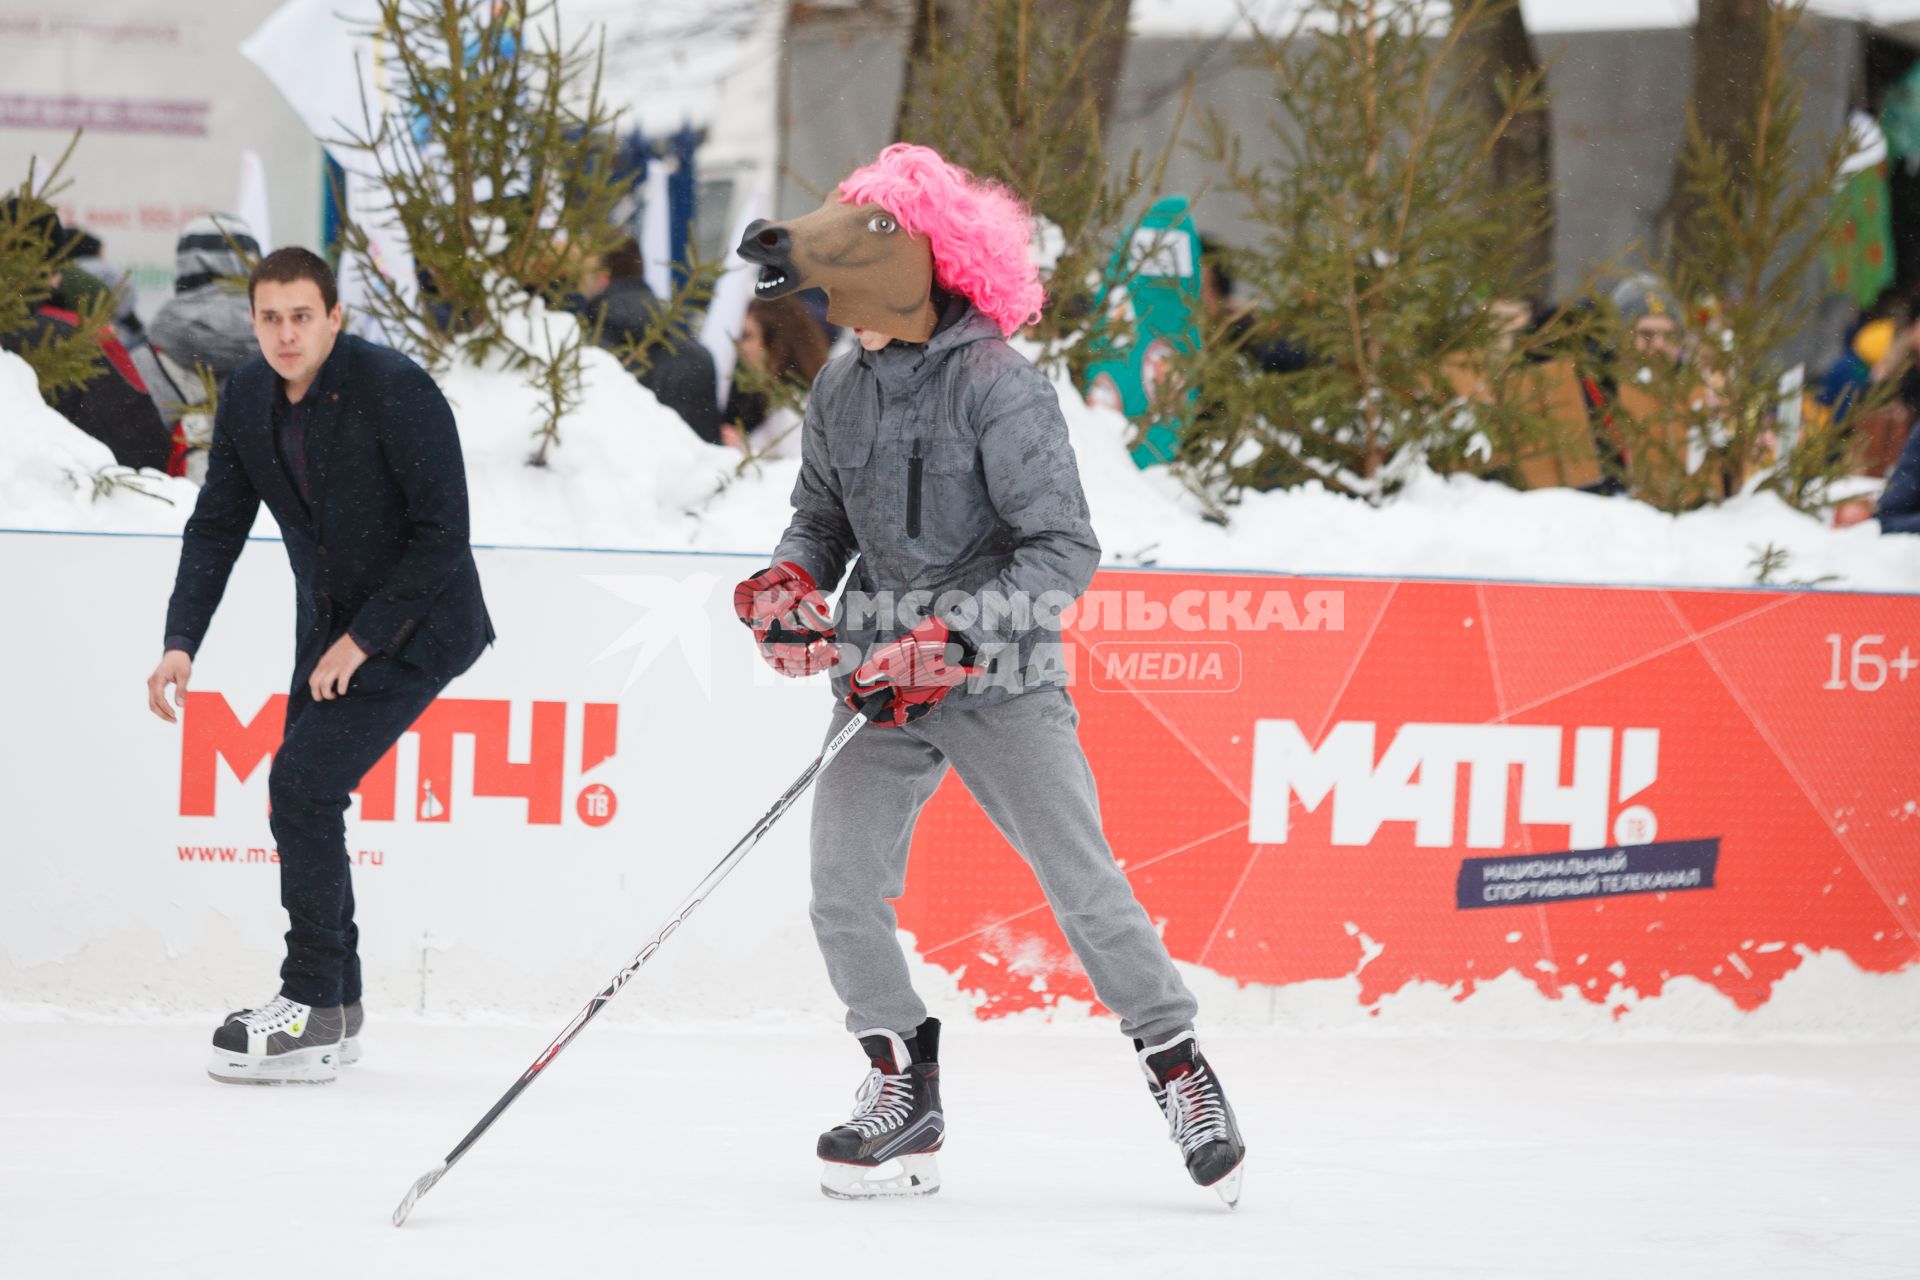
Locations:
(979, 230)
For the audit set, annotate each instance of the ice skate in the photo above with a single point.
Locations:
(350, 1037)
(281, 1042)
(356, 1018)
(886, 1148)
(1199, 1120)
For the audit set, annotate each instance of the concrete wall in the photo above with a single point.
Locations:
(840, 98)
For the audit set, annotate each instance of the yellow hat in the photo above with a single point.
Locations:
(1873, 340)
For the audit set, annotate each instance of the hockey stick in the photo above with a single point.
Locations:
(426, 1181)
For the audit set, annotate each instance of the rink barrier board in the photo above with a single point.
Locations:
(1598, 789)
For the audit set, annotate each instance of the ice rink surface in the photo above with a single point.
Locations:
(656, 1153)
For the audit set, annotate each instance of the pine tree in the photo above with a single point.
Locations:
(1755, 221)
(29, 258)
(1729, 46)
(1016, 91)
(1383, 247)
(500, 164)
(1523, 152)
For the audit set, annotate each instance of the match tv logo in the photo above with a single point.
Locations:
(1418, 777)
(212, 732)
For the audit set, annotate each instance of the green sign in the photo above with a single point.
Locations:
(1152, 298)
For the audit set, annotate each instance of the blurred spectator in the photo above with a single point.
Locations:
(1898, 509)
(1851, 375)
(785, 344)
(89, 274)
(85, 274)
(205, 325)
(1517, 318)
(113, 406)
(206, 322)
(681, 374)
(1651, 320)
(1222, 312)
(1651, 317)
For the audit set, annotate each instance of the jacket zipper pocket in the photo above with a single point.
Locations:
(913, 492)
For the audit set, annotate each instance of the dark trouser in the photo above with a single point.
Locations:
(328, 748)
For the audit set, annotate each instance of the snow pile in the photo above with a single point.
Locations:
(628, 474)
(48, 470)
(1461, 527)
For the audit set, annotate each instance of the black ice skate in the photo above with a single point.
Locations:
(887, 1147)
(1199, 1120)
(281, 1042)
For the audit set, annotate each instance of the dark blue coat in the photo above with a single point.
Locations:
(384, 549)
(1900, 500)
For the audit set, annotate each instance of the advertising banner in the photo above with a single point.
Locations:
(1392, 783)
(1602, 789)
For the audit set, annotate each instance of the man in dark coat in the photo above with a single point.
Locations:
(681, 375)
(354, 451)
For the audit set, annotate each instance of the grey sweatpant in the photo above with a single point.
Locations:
(1022, 761)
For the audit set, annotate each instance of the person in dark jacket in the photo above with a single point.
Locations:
(681, 375)
(937, 475)
(1899, 507)
(1237, 317)
(113, 406)
(354, 451)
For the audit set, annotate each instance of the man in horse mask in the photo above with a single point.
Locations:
(937, 455)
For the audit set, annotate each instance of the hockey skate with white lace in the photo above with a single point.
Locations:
(1199, 1119)
(887, 1146)
(280, 1042)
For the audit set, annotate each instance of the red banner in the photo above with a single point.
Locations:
(1598, 788)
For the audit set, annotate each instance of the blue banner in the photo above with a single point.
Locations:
(1669, 867)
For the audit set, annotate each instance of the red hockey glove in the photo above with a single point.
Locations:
(919, 669)
(789, 619)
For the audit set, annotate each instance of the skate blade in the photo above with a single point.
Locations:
(318, 1065)
(1228, 1188)
(917, 1175)
(349, 1051)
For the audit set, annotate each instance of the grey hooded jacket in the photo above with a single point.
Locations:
(946, 469)
(207, 322)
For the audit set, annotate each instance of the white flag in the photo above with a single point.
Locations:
(250, 202)
(319, 54)
(727, 315)
(656, 240)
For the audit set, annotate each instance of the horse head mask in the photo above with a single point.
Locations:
(890, 232)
